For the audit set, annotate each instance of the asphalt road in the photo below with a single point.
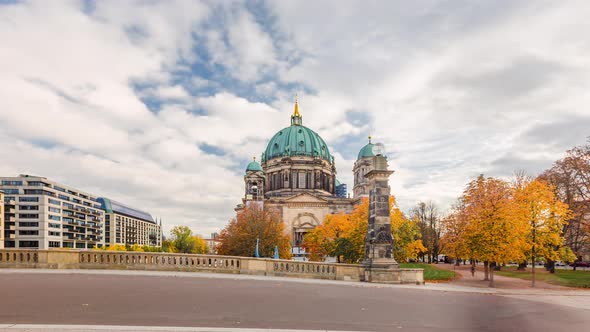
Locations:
(143, 300)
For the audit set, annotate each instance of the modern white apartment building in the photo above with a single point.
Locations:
(40, 213)
(128, 226)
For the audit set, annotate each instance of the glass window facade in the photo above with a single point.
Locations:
(28, 199)
(59, 188)
(11, 183)
(11, 191)
(28, 232)
(28, 244)
(28, 207)
(28, 224)
(29, 216)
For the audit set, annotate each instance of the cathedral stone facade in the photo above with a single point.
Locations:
(297, 176)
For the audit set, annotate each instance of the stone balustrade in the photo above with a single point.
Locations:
(122, 260)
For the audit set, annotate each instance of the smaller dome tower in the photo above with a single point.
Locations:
(363, 165)
(254, 181)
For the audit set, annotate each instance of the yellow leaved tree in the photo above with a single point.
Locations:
(490, 232)
(406, 235)
(343, 236)
(543, 216)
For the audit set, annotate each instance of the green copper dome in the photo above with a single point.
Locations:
(366, 151)
(369, 150)
(297, 140)
(254, 166)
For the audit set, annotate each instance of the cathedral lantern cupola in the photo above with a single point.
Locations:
(296, 119)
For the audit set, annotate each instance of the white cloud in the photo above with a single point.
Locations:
(452, 92)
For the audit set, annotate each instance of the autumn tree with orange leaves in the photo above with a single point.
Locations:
(342, 236)
(544, 217)
(497, 222)
(238, 238)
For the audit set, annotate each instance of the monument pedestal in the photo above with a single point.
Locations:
(384, 271)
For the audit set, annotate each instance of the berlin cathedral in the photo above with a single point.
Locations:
(297, 176)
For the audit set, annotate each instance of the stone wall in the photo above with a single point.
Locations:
(119, 260)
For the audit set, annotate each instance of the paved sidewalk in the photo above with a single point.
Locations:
(464, 278)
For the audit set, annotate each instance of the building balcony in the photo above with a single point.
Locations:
(11, 228)
(10, 219)
(12, 236)
(10, 210)
(10, 202)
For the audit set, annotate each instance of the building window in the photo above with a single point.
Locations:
(28, 232)
(28, 216)
(64, 197)
(54, 201)
(28, 224)
(28, 207)
(54, 225)
(59, 188)
(52, 209)
(11, 183)
(11, 191)
(68, 244)
(28, 199)
(51, 233)
(28, 244)
(54, 244)
(52, 217)
(80, 245)
(302, 180)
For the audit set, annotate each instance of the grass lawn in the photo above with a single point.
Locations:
(431, 272)
(567, 278)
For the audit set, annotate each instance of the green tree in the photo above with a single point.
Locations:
(184, 241)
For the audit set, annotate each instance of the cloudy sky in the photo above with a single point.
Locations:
(161, 104)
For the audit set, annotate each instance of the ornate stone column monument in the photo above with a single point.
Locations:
(380, 266)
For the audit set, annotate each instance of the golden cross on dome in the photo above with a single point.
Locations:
(296, 112)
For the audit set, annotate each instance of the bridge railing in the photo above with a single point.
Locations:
(145, 260)
(19, 256)
(125, 260)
